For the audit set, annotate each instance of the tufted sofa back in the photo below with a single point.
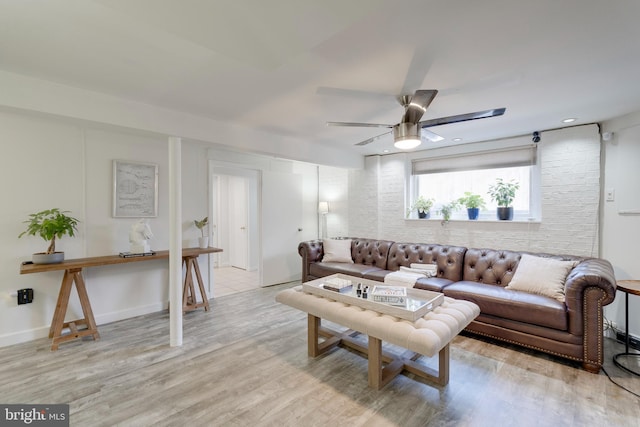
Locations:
(496, 267)
(449, 259)
(490, 266)
(370, 252)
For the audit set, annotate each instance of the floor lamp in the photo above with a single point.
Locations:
(323, 210)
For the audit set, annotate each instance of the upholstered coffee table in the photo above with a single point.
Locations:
(428, 334)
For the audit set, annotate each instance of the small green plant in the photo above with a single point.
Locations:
(448, 209)
(471, 201)
(200, 225)
(49, 224)
(503, 192)
(421, 204)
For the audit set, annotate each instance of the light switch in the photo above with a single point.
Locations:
(610, 194)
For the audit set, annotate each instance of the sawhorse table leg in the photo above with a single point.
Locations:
(58, 324)
(189, 299)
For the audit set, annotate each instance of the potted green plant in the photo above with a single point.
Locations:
(423, 206)
(473, 203)
(50, 224)
(447, 210)
(203, 240)
(503, 193)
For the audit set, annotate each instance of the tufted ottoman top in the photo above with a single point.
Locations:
(427, 335)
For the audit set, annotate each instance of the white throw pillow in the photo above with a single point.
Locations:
(337, 250)
(542, 276)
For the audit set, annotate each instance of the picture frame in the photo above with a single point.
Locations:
(135, 189)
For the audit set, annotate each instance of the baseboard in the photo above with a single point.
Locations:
(634, 342)
(43, 331)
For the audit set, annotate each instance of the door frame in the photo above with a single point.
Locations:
(254, 175)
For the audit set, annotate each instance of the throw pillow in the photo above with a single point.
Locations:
(337, 250)
(542, 276)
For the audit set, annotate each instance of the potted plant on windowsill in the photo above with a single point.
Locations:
(423, 206)
(447, 210)
(50, 224)
(473, 203)
(503, 193)
(203, 241)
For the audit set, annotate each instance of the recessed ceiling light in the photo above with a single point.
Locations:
(569, 120)
(457, 139)
(385, 151)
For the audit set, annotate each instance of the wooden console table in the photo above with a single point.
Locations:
(73, 274)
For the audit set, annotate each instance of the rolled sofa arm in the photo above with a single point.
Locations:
(590, 286)
(592, 272)
(311, 251)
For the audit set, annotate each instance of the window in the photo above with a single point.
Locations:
(446, 177)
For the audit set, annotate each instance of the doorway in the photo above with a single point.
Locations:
(234, 227)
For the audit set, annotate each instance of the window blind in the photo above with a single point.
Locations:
(493, 159)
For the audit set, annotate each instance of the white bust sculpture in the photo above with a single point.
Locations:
(139, 237)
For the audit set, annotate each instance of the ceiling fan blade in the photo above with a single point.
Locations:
(430, 136)
(370, 140)
(462, 117)
(418, 105)
(361, 125)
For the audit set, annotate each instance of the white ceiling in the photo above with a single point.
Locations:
(288, 66)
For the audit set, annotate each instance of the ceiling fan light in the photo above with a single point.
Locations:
(407, 144)
(406, 136)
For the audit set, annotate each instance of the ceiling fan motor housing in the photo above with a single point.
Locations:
(404, 131)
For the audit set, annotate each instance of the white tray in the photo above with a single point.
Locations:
(419, 302)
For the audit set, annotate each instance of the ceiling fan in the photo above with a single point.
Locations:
(409, 132)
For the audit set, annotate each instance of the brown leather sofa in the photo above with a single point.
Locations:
(572, 329)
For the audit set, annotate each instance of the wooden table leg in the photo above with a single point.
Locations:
(189, 298)
(58, 324)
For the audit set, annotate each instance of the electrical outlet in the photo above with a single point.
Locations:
(25, 296)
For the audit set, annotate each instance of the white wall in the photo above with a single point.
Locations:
(621, 233)
(333, 188)
(50, 162)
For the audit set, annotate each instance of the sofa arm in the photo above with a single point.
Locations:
(310, 251)
(590, 286)
(592, 272)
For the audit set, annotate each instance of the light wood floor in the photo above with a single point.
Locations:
(245, 364)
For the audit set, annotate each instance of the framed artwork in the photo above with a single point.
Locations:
(135, 189)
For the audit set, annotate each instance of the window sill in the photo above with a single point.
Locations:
(517, 220)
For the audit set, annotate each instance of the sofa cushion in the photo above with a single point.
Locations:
(542, 276)
(435, 284)
(337, 250)
(322, 269)
(509, 304)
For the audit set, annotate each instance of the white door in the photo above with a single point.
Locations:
(281, 227)
(238, 222)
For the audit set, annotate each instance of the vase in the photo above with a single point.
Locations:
(505, 213)
(203, 242)
(45, 258)
(473, 213)
(424, 215)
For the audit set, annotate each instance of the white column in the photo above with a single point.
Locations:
(175, 241)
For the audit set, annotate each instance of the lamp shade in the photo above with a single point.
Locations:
(323, 207)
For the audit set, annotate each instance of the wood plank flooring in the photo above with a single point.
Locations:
(245, 363)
